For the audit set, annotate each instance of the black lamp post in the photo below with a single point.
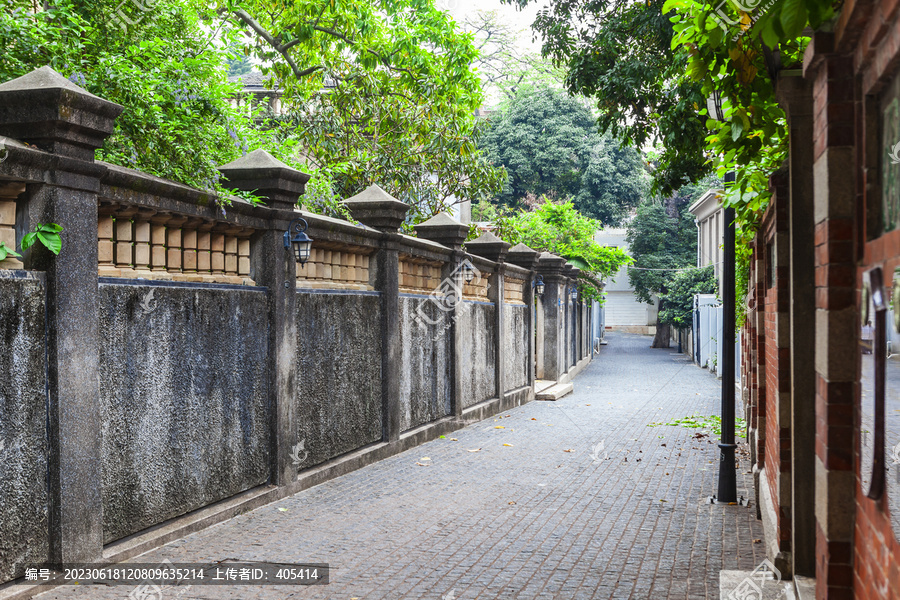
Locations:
(538, 286)
(295, 238)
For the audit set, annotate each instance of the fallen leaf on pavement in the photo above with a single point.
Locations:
(569, 450)
(454, 440)
(422, 464)
(499, 427)
(474, 450)
(533, 419)
(283, 509)
(507, 444)
(511, 502)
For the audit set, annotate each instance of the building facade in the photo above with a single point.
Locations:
(622, 310)
(819, 380)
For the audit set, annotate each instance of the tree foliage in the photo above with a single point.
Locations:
(397, 109)
(562, 230)
(678, 300)
(620, 55)
(662, 239)
(161, 66)
(547, 142)
(502, 65)
(378, 92)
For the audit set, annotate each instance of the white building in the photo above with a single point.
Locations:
(710, 219)
(622, 310)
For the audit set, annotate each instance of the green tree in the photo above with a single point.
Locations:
(562, 230)
(679, 297)
(377, 92)
(626, 64)
(546, 141)
(662, 239)
(161, 65)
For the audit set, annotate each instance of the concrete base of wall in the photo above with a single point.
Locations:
(178, 528)
(573, 371)
(767, 509)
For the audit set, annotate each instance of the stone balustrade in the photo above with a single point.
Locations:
(336, 266)
(136, 243)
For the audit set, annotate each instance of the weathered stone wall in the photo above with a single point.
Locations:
(183, 388)
(23, 426)
(425, 365)
(339, 407)
(515, 363)
(478, 358)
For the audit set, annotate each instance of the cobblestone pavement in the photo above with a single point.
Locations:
(565, 500)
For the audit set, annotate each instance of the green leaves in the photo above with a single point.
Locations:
(47, 235)
(7, 251)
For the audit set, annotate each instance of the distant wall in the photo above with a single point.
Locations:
(478, 358)
(424, 362)
(24, 494)
(184, 395)
(515, 321)
(338, 395)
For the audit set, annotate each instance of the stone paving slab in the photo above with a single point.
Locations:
(574, 499)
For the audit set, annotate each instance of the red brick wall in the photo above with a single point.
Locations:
(876, 550)
(777, 455)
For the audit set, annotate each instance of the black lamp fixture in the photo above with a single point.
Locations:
(538, 285)
(295, 237)
(468, 272)
(574, 293)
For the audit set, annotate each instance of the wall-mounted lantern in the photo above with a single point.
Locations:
(295, 238)
(538, 285)
(468, 272)
(574, 293)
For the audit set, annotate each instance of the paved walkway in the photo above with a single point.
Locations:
(567, 500)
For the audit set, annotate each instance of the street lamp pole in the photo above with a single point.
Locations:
(727, 471)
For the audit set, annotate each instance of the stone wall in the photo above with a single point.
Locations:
(184, 399)
(425, 373)
(478, 360)
(24, 494)
(515, 363)
(192, 368)
(338, 398)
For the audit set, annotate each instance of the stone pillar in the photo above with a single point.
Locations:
(523, 256)
(552, 363)
(448, 232)
(493, 248)
(273, 266)
(50, 112)
(795, 95)
(376, 208)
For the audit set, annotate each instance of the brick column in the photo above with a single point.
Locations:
(50, 112)
(376, 208)
(837, 317)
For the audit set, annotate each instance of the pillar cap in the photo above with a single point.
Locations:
(376, 208)
(47, 110)
(443, 229)
(522, 256)
(551, 264)
(488, 246)
(272, 180)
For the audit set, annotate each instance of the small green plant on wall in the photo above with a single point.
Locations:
(47, 235)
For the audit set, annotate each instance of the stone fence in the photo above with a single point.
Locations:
(174, 366)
